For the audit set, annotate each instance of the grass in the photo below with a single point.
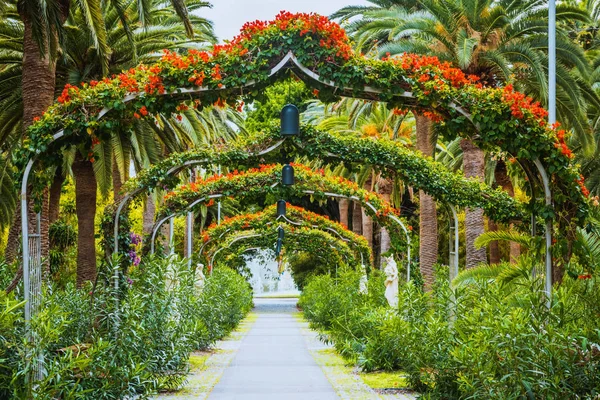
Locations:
(384, 380)
(198, 361)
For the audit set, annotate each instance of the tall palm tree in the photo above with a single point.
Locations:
(495, 40)
(80, 60)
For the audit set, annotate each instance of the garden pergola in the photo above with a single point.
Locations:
(317, 50)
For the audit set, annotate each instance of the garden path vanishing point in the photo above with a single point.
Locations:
(274, 355)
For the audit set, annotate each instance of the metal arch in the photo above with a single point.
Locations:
(548, 233)
(162, 221)
(392, 217)
(170, 171)
(249, 237)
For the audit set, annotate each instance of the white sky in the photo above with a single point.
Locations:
(228, 16)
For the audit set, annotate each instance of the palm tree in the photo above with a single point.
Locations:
(81, 60)
(490, 39)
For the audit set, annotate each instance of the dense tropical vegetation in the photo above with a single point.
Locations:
(453, 115)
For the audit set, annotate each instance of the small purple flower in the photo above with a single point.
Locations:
(129, 281)
(135, 238)
(137, 260)
(132, 254)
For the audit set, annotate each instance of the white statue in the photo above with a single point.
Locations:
(391, 281)
(363, 287)
(199, 278)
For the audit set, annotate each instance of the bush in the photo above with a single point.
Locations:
(90, 351)
(483, 340)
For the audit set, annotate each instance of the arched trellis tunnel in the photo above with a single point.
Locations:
(258, 182)
(332, 251)
(498, 120)
(269, 219)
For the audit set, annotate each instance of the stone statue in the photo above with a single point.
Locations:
(363, 287)
(391, 281)
(199, 278)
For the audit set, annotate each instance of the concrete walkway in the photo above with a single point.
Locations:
(273, 361)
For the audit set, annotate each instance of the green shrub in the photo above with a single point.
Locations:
(92, 352)
(488, 339)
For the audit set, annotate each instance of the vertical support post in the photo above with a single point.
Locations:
(25, 244)
(454, 254)
(551, 61)
(189, 225)
(190, 231)
(171, 235)
(548, 233)
(219, 205)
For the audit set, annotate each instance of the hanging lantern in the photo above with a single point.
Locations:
(280, 235)
(290, 120)
(287, 175)
(281, 208)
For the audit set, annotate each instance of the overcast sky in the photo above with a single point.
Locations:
(228, 16)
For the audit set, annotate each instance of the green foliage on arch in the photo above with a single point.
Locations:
(499, 120)
(266, 221)
(258, 182)
(390, 157)
(331, 253)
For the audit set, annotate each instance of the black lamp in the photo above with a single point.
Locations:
(290, 120)
(287, 175)
(280, 235)
(281, 208)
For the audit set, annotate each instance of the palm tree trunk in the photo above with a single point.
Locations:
(356, 218)
(494, 246)
(148, 215)
(428, 224)
(55, 192)
(473, 166)
(344, 206)
(85, 203)
(38, 82)
(503, 180)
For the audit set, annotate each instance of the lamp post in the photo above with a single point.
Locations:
(281, 208)
(290, 126)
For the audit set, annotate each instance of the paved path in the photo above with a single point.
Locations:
(273, 361)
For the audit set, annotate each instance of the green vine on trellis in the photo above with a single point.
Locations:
(497, 119)
(267, 220)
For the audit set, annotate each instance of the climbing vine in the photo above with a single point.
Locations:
(296, 217)
(500, 120)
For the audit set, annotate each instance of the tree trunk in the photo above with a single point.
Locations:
(356, 218)
(494, 246)
(428, 224)
(473, 166)
(344, 205)
(385, 190)
(503, 180)
(148, 215)
(85, 203)
(55, 192)
(37, 87)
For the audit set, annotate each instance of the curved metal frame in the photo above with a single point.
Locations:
(288, 60)
(297, 224)
(157, 225)
(212, 260)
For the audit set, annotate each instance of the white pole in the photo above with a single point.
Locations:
(551, 61)
(551, 120)
(219, 205)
